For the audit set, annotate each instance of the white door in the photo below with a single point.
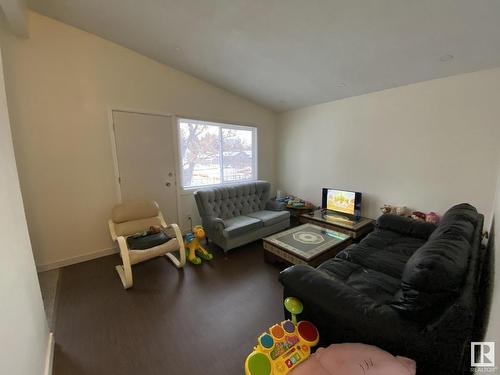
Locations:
(146, 159)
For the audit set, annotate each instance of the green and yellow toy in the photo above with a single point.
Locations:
(283, 346)
(194, 249)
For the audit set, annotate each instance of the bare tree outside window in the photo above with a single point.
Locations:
(237, 154)
(212, 154)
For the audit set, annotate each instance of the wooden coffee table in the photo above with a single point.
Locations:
(306, 244)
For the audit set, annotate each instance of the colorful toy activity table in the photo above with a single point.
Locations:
(283, 346)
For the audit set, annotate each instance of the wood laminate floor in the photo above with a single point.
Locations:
(200, 320)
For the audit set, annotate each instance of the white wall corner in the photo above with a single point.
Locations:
(16, 15)
(49, 358)
(77, 259)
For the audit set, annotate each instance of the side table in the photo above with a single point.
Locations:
(297, 212)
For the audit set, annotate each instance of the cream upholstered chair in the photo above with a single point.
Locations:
(133, 217)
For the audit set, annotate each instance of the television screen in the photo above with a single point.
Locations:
(347, 202)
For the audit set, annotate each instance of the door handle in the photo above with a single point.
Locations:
(168, 184)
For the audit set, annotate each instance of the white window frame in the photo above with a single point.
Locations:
(222, 125)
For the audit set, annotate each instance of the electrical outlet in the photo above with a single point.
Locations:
(189, 221)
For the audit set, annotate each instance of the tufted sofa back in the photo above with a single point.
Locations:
(235, 200)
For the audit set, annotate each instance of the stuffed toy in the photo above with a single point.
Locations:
(402, 211)
(386, 209)
(432, 217)
(194, 249)
(417, 215)
(396, 210)
(354, 359)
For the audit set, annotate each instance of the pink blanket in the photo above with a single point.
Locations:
(355, 359)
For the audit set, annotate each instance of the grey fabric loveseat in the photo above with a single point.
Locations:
(238, 214)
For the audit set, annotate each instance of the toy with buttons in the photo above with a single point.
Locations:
(284, 346)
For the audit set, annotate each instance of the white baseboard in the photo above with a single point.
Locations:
(76, 259)
(49, 358)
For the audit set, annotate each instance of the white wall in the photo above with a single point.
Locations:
(23, 328)
(60, 83)
(426, 146)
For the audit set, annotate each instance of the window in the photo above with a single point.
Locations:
(213, 153)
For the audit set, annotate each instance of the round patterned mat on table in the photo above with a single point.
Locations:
(308, 238)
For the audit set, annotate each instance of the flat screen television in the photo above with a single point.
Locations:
(342, 201)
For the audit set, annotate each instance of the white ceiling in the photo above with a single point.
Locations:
(286, 54)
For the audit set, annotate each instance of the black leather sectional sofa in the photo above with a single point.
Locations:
(409, 288)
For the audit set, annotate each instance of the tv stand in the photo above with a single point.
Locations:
(357, 229)
(335, 217)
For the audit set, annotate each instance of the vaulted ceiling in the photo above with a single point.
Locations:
(285, 54)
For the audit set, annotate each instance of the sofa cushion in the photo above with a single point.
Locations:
(405, 225)
(270, 217)
(376, 285)
(147, 242)
(433, 276)
(461, 212)
(240, 225)
(458, 221)
(384, 251)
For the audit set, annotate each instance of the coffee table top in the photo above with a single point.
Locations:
(307, 241)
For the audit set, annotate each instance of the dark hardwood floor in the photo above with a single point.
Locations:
(200, 320)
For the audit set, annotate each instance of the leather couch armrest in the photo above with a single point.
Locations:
(345, 306)
(273, 205)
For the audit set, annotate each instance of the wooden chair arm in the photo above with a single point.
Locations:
(163, 223)
(112, 230)
(122, 245)
(180, 239)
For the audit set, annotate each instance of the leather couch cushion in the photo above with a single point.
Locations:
(436, 272)
(458, 221)
(270, 217)
(461, 212)
(439, 265)
(384, 251)
(376, 285)
(240, 225)
(405, 225)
